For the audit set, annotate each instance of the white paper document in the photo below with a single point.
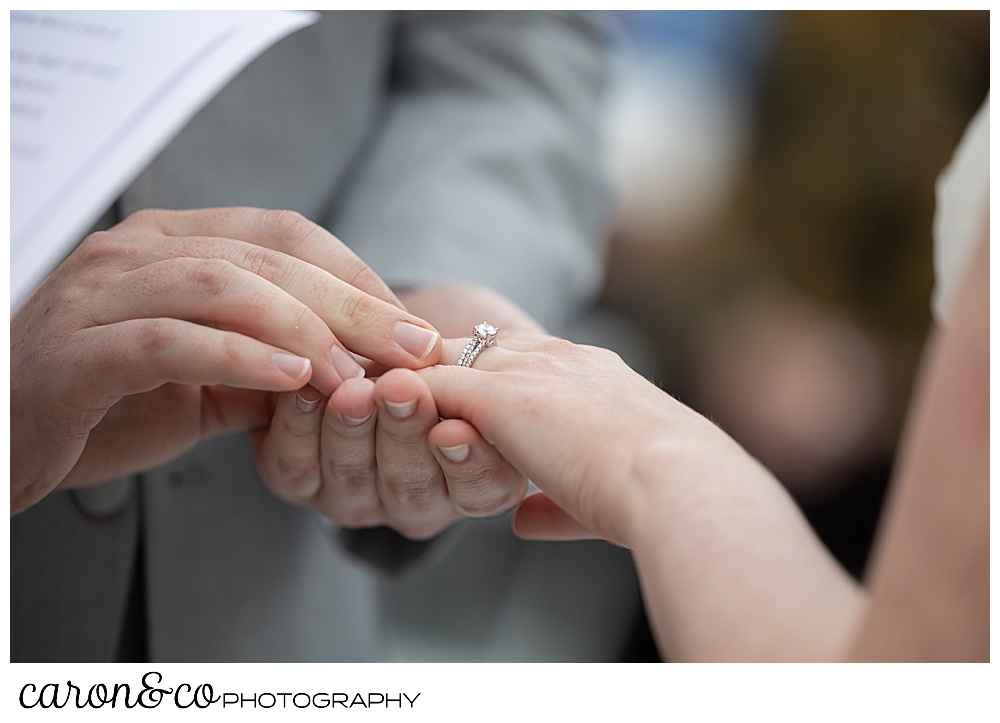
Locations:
(94, 97)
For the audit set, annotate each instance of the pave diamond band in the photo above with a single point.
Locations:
(483, 335)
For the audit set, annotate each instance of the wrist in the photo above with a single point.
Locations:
(673, 473)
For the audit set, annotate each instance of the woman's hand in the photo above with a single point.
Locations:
(149, 336)
(722, 551)
(363, 458)
(575, 419)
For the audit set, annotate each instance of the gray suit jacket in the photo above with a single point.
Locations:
(439, 146)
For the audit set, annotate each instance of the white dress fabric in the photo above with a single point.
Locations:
(962, 214)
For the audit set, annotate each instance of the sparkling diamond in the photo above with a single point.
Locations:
(486, 330)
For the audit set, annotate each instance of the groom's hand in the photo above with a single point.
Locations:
(143, 335)
(363, 457)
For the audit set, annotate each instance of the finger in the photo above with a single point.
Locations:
(288, 455)
(539, 518)
(365, 324)
(349, 495)
(219, 293)
(492, 358)
(142, 354)
(285, 231)
(451, 350)
(410, 482)
(461, 393)
(113, 450)
(481, 483)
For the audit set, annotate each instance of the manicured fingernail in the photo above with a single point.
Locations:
(415, 339)
(357, 421)
(401, 410)
(346, 367)
(306, 405)
(458, 453)
(294, 366)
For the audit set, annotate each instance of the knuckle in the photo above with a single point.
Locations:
(155, 336)
(360, 310)
(412, 493)
(288, 228)
(558, 347)
(297, 474)
(354, 479)
(267, 263)
(553, 355)
(209, 277)
(100, 246)
(78, 295)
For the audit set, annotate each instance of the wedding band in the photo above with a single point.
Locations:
(483, 335)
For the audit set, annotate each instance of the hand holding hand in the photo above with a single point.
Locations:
(376, 452)
(577, 421)
(147, 338)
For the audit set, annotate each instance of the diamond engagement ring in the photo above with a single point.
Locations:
(483, 335)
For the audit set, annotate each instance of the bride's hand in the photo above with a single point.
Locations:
(578, 422)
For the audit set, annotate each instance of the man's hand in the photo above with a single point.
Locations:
(367, 455)
(149, 337)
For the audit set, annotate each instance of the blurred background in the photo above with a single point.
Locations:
(769, 264)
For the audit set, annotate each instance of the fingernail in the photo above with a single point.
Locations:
(294, 366)
(306, 405)
(458, 453)
(415, 339)
(356, 421)
(400, 410)
(346, 367)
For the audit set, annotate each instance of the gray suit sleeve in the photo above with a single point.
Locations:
(487, 167)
